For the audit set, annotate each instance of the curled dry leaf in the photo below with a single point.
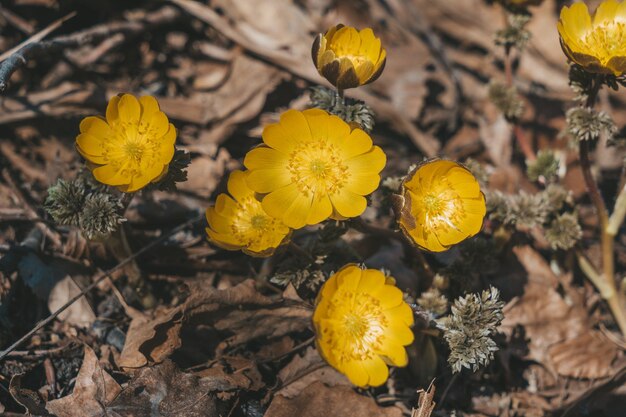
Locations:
(425, 403)
(93, 391)
(318, 400)
(80, 313)
(163, 390)
(243, 311)
(558, 327)
(304, 370)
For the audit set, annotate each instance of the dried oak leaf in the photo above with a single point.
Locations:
(304, 370)
(232, 373)
(318, 400)
(153, 340)
(164, 390)
(555, 323)
(94, 389)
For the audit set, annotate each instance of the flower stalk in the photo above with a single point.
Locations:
(604, 282)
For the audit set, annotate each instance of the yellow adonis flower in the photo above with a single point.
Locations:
(239, 222)
(132, 147)
(441, 205)
(348, 58)
(599, 44)
(312, 166)
(362, 324)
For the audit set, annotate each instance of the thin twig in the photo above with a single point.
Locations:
(34, 50)
(93, 285)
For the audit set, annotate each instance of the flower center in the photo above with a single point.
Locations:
(317, 168)
(441, 208)
(134, 150)
(251, 226)
(360, 325)
(356, 326)
(606, 40)
(258, 221)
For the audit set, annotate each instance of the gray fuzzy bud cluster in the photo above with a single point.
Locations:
(434, 302)
(89, 206)
(506, 100)
(546, 166)
(515, 34)
(469, 329)
(584, 123)
(351, 111)
(564, 231)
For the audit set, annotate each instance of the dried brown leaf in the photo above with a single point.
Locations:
(318, 400)
(425, 403)
(304, 370)
(589, 355)
(94, 389)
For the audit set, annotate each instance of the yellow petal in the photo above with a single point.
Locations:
(339, 132)
(128, 108)
(346, 41)
(295, 125)
(605, 12)
(390, 296)
(265, 158)
(108, 175)
(267, 180)
(95, 126)
(238, 187)
(90, 144)
(149, 105)
(371, 162)
(296, 215)
(112, 115)
(348, 204)
(401, 333)
(356, 373)
(394, 352)
(277, 201)
(370, 45)
(317, 120)
(371, 281)
(363, 184)
(576, 20)
(358, 142)
(321, 209)
(400, 314)
(377, 371)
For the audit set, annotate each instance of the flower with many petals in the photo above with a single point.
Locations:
(239, 222)
(132, 147)
(441, 205)
(312, 166)
(597, 44)
(348, 58)
(362, 324)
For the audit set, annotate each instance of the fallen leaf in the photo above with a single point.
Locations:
(303, 370)
(93, 390)
(425, 403)
(318, 400)
(163, 390)
(557, 326)
(80, 312)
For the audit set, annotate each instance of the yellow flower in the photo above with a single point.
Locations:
(441, 205)
(131, 147)
(241, 223)
(598, 45)
(313, 167)
(362, 324)
(348, 58)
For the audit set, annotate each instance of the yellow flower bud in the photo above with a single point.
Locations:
(348, 58)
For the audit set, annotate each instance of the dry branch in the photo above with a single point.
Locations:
(34, 50)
